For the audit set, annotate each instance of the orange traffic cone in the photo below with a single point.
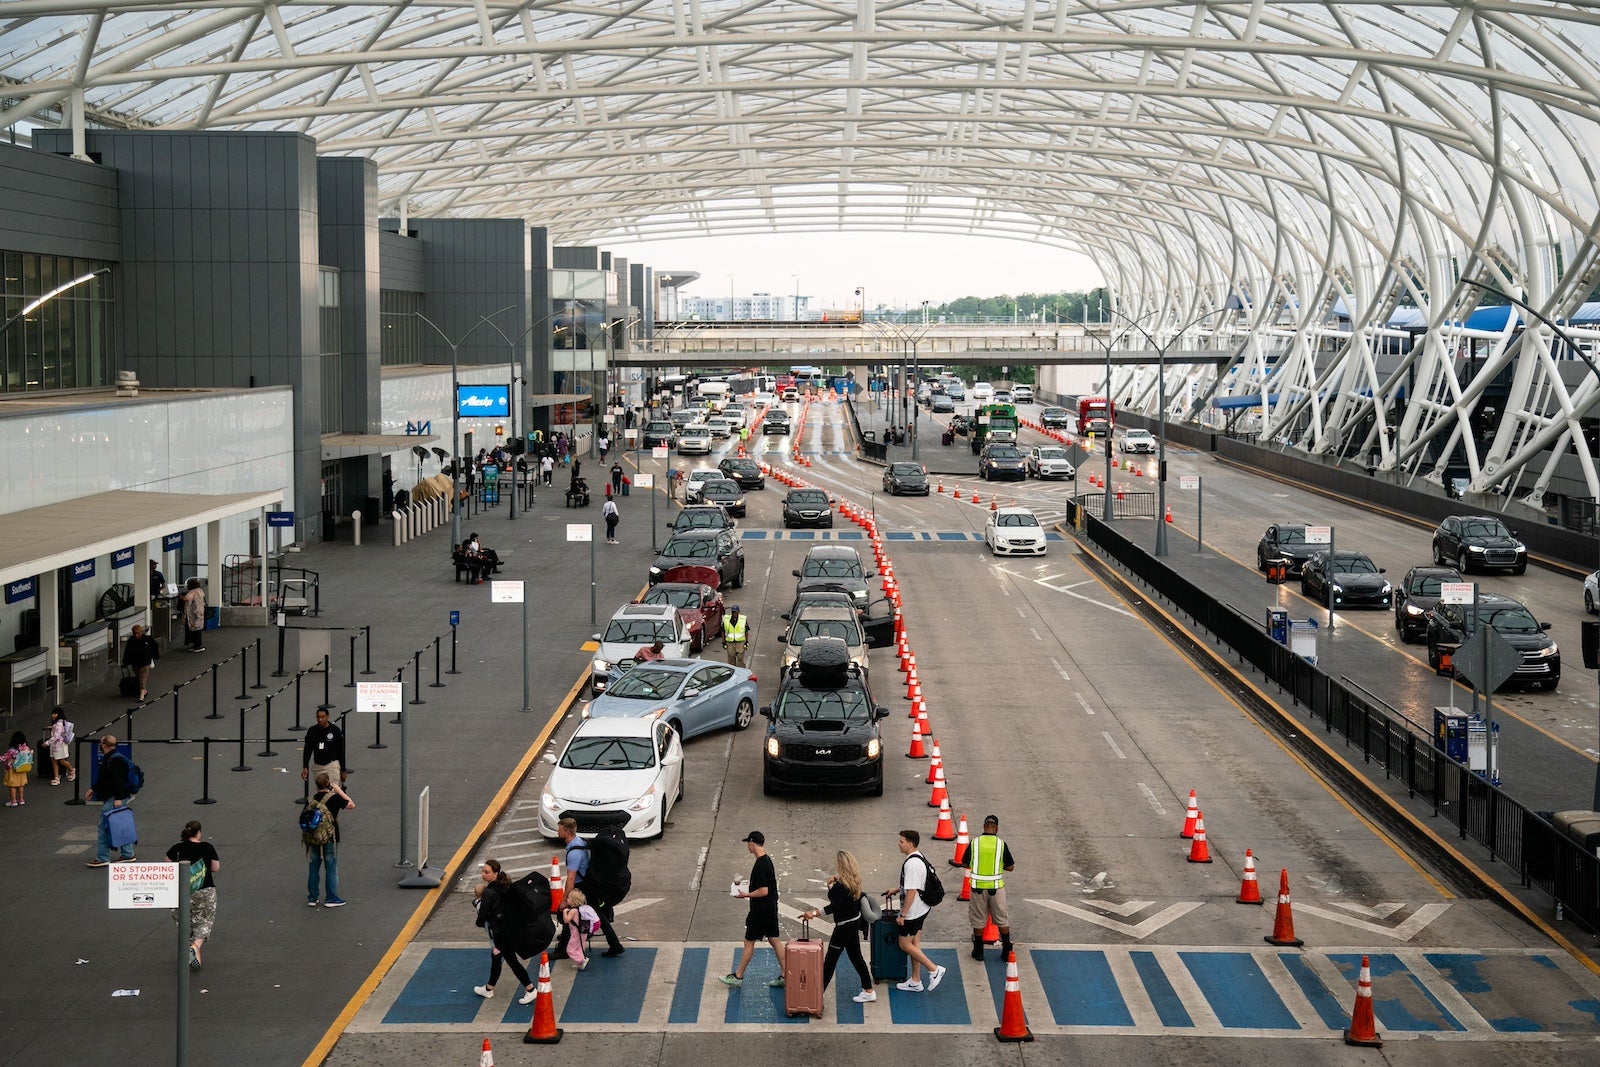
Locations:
(1169, 512)
(940, 794)
(918, 707)
(966, 886)
(912, 688)
(1249, 888)
(1363, 1027)
(962, 841)
(1199, 851)
(946, 828)
(557, 887)
(991, 932)
(486, 1057)
(1283, 922)
(917, 751)
(543, 1029)
(1013, 1020)
(936, 761)
(1189, 816)
(940, 488)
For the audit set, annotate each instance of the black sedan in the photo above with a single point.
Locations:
(942, 404)
(747, 472)
(724, 491)
(1345, 580)
(998, 462)
(807, 507)
(1285, 540)
(660, 432)
(1417, 594)
(776, 422)
(1451, 624)
(1478, 542)
(703, 548)
(909, 479)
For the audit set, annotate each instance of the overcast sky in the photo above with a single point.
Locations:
(897, 270)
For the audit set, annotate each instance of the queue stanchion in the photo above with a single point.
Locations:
(243, 766)
(416, 674)
(368, 631)
(127, 726)
(438, 652)
(452, 669)
(297, 727)
(244, 675)
(268, 740)
(327, 680)
(377, 732)
(344, 768)
(83, 773)
(205, 773)
(280, 672)
(216, 712)
(399, 676)
(351, 684)
(175, 693)
(259, 684)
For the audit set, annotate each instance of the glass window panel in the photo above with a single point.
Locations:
(50, 351)
(30, 275)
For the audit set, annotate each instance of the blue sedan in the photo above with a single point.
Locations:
(693, 695)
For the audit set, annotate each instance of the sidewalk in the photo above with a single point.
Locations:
(273, 966)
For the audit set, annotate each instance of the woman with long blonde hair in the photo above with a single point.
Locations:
(844, 905)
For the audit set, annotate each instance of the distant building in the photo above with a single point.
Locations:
(756, 306)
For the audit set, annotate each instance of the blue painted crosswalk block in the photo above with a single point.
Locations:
(610, 991)
(441, 989)
(691, 980)
(1239, 994)
(1158, 987)
(945, 1006)
(1405, 1003)
(756, 1002)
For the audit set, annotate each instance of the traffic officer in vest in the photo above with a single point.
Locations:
(988, 859)
(735, 635)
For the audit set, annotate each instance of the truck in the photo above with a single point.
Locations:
(1093, 408)
(993, 421)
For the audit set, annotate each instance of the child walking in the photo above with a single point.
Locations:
(18, 760)
(582, 922)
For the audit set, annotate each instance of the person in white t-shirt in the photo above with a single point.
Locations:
(913, 876)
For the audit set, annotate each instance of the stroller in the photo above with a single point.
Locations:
(578, 493)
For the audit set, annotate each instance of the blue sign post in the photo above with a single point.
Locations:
(455, 620)
(280, 519)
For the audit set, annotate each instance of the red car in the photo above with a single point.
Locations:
(693, 590)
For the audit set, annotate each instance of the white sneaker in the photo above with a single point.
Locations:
(935, 978)
(909, 986)
(866, 996)
(483, 991)
(527, 998)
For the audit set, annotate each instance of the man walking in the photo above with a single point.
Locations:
(988, 859)
(762, 923)
(577, 871)
(111, 789)
(547, 468)
(735, 635)
(139, 655)
(323, 854)
(616, 479)
(323, 752)
(913, 912)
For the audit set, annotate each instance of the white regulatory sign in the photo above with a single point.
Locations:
(658, 452)
(644, 481)
(380, 697)
(143, 885)
(1188, 481)
(1455, 592)
(580, 531)
(1319, 535)
(505, 592)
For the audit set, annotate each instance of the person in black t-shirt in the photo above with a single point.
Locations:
(762, 922)
(201, 864)
(324, 751)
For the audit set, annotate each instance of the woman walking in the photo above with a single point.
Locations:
(194, 615)
(60, 746)
(513, 931)
(844, 905)
(200, 865)
(608, 511)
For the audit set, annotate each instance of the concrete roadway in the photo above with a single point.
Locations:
(1061, 710)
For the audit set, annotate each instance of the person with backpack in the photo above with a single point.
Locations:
(139, 655)
(18, 760)
(580, 922)
(514, 925)
(120, 778)
(200, 865)
(60, 746)
(601, 871)
(920, 890)
(319, 833)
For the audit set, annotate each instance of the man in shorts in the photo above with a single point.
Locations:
(762, 922)
(913, 912)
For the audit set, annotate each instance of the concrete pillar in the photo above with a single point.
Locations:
(49, 600)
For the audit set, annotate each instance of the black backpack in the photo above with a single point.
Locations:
(533, 891)
(608, 879)
(932, 893)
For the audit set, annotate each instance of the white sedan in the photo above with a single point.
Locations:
(694, 439)
(1591, 592)
(627, 772)
(696, 481)
(1014, 532)
(1139, 441)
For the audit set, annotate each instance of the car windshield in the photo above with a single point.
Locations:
(828, 567)
(1354, 564)
(609, 754)
(1511, 619)
(1484, 528)
(1291, 535)
(1004, 453)
(1053, 411)
(642, 631)
(690, 548)
(1426, 584)
(808, 500)
(824, 628)
(659, 427)
(906, 469)
(722, 487)
(805, 705)
(700, 520)
(1052, 453)
(700, 476)
(741, 464)
(1017, 520)
(679, 596)
(647, 683)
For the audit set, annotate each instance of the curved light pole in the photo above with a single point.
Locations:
(1161, 392)
(455, 412)
(1577, 350)
(512, 358)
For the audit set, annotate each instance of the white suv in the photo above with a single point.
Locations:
(982, 393)
(633, 628)
(1022, 394)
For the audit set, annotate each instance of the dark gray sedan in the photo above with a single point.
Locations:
(909, 479)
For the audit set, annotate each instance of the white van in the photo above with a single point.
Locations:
(712, 394)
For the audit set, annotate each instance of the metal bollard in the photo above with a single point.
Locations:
(205, 773)
(175, 693)
(368, 631)
(453, 652)
(327, 680)
(258, 684)
(377, 732)
(77, 783)
(244, 676)
(268, 742)
(216, 713)
(243, 766)
(297, 727)
(438, 680)
(394, 526)
(351, 684)
(355, 520)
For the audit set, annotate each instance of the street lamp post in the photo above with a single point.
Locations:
(512, 357)
(796, 278)
(455, 412)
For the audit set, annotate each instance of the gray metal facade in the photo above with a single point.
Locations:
(56, 205)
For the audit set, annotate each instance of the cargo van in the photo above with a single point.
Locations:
(714, 394)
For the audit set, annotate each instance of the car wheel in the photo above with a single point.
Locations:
(739, 578)
(1521, 568)
(1433, 656)
(743, 714)
(1438, 557)
(1305, 590)
(1461, 563)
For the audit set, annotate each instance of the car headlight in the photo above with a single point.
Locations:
(1414, 611)
(1478, 549)
(655, 570)
(1521, 547)
(1544, 653)
(874, 747)
(1336, 587)
(739, 503)
(550, 800)
(773, 748)
(646, 802)
(601, 666)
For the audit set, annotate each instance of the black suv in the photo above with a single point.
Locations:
(747, 472)
(1417, 594)
(906, 478)
(822, 727)
(1478, 542)
(724, 491)
(1345, 580)
(775, 422)
(807, 507)
(1285, 540)
(659, 432)
(834, 567)
(1002, 461)
(1451, 624)
(703, 548)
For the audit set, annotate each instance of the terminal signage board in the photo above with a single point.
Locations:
(280, 518)
(483, 401)
(122, 557)
(82, 571)
(1319, 535)
(143, 886)
(172, 542)
(21, 589)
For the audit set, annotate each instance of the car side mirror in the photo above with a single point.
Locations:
(783, 639)
(1544, 626)
(766, 711)
(797, 574)
(594, 637)
(880, 712)
(1382, 571)
(870, 574)
(784, 616)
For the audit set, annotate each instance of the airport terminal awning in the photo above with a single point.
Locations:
(44, 539)
(353, 445)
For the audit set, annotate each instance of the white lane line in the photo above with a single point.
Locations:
(1150, 795)
(1114, 747)
(1021, 614)
(1087, 710)
(1035, 634)
(1065, 677)
(716, 799)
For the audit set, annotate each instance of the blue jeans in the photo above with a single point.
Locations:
(102, 848)
(323, 855)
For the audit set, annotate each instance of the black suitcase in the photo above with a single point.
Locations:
(889, 963)
(128, 684)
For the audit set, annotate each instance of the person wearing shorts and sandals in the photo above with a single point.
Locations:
(762, 922)
(913, 912)
(988, 859)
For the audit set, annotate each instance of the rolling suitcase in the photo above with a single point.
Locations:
(802, 990)
(889, 964)
(119, 824)
(128, 684)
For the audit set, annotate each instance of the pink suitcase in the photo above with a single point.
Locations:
(802, 990)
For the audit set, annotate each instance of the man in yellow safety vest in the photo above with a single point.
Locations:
(988, 859)
(735, 634)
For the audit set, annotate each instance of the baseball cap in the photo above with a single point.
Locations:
(756, 836)
(987, 819)
(734, 607)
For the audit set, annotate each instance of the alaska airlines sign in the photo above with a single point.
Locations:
(483, 401)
